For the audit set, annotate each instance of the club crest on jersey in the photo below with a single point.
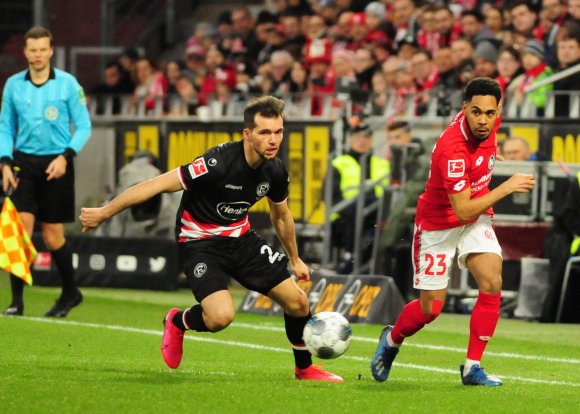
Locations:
(197, 168)
(455, 168)
(491, 162)
(199, 270)
(262, 189)
(212, 162)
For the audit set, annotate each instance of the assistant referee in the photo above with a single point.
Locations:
(38, 107)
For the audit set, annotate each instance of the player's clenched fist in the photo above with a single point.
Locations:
(521, 183)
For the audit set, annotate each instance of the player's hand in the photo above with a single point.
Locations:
(56, 168)
(499, 157)
(8, 180)
(521, 183)
(301, 270)
(91, 218)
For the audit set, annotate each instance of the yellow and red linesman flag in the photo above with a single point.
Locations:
(16, 249)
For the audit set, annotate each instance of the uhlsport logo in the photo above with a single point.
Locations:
(262, 189)
(51, 113)
(199, 270)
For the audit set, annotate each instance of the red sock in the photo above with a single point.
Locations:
(482, 324)
(412, 319)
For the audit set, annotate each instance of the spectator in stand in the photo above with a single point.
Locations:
(364, 68)
(525, 19)
(568, 56)
(111, 90)
(572, 24)
(405, 20)
(473, 27)
(376, 20)
(425, 76)
(299, 7)
(445, 24)
(485, 56)
(494, 21)
(534, 63)
(340, 32)
(445, 65)
(316, 28)
(151, 88)
(195, 63)
(553, 17)
(379, 94)
(406, 89)
(217, 71)
(298, 78)
(428, 34)
(128, 59)
(406, 48)
(281, 63)
(318, 57)
(187, 104)
(243, 25)
(358, 31)
(380, 45)
(329, 11)
(343, 68)
(462, 49)
(275, 40)
(518, 149)
(173, 70)
(223, 24)
(389, 68)
(509, 68)
(295, 39)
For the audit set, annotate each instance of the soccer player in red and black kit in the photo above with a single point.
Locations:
(454, 216)
(215, 239)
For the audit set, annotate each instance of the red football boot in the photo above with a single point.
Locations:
(172, 344)
(316, 373)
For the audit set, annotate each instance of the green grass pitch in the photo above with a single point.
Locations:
(105, 358)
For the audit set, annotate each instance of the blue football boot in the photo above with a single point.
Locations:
(477, 376)
(384, 357)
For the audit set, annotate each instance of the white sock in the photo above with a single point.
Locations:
(391, 343)
(468, 364)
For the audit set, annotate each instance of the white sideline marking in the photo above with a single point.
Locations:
(272, 348)
(432, 347)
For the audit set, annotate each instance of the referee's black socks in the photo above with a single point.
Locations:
(63, 261)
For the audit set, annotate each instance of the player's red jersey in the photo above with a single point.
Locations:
(458, 160)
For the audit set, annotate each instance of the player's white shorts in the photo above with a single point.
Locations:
(434, 251)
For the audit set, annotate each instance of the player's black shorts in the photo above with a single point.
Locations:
(50, 201)
(209, 264)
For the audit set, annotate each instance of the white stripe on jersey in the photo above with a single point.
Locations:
(194, 230)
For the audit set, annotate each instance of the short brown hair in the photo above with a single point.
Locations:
(266, 106)
(38, 32)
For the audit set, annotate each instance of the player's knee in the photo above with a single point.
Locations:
(219, 320)
(53, 240)
(491, 285)
(298, 307)
(436, 308)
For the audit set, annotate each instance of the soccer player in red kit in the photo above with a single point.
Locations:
(454, 216)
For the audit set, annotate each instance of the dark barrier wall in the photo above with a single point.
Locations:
(364, 299)
(113, 262)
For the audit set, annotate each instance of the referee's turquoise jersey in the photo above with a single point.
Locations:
(37, 120)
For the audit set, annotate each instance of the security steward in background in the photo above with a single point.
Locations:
(346, 180)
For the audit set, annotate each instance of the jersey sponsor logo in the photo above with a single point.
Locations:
(233, 211)
(199, 269)
(455, 168)
(478, 161)
(489, 234)
(459, 186)
(262, 189)
(491, 162)
(51, 113)
(212, 162)
(197, 168)
(234, 187)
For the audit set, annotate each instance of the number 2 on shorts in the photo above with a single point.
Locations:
(272, 256)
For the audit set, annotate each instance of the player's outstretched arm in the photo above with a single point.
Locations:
(91, 218)
(466, 208)
(284, 224)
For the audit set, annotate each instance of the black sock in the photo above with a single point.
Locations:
(17, 287)
(193, 319)
(294, 329)
(63, 261)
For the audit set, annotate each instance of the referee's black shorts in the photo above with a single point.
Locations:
(49, 201)
(210, 263)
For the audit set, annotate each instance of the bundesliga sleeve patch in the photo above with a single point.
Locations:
(455, 168)
(197, 168)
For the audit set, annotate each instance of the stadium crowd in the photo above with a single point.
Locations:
(376, 54)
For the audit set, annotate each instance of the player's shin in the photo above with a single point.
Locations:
(482, 325)
(412, 319)
(294, 330)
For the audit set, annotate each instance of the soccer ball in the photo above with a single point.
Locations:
(327, 335)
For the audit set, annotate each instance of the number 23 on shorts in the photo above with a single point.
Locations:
(436, 264)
